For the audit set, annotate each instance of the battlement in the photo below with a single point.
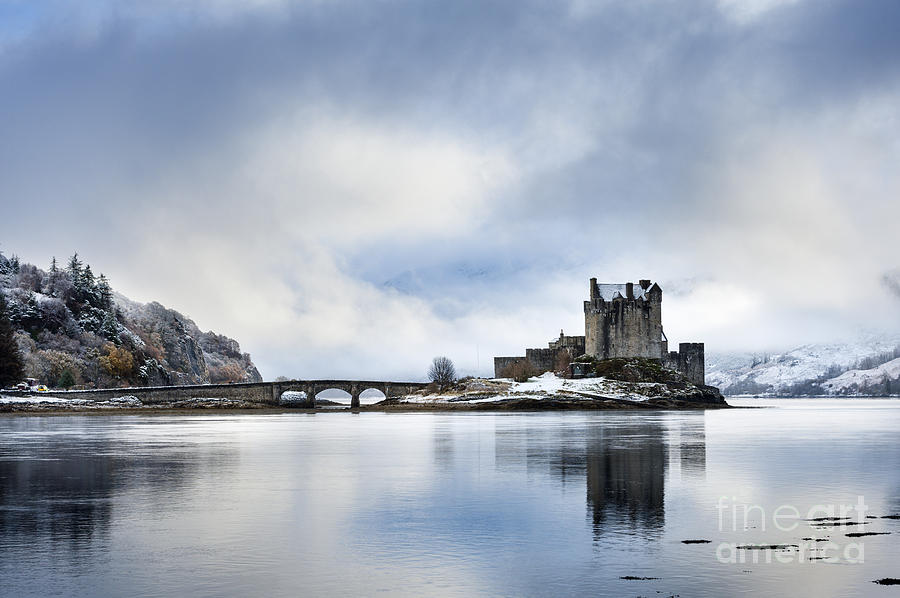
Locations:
(605, 292)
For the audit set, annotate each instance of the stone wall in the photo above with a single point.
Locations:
(543, 360)
(501, 363)
(690, 360)
(255, 392)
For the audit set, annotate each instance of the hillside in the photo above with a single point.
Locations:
(74, 331)
(863, 366)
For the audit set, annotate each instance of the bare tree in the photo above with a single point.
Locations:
(442, 372)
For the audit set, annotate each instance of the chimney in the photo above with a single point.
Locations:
(629, 290)
(594, 293)
(645, 284)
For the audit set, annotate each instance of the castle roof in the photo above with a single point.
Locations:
(609, 291)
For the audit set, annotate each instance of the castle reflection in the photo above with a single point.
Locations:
(623, 462)
(626, 471)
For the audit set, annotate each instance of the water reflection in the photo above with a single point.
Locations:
(626, 472)
(692, 448)
(622, 462)
(430, 504)
(65, 499)
(58, 485)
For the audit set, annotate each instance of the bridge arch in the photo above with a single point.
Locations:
(333, 393)
(293, 398)
(372, 394)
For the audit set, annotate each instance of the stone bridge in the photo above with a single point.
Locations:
(352, 387)
(257, 392)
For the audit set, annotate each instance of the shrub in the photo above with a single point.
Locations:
(562, 361)
(66, 379)
(226, 374)
(636, 369)
(520, 371)
(118, 361)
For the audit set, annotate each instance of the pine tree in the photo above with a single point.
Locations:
(66, 379)
(54, 278)
(87, 277)
(109, 329)
(75, 267)
(104, 291)
(11, 368)
(88, 285)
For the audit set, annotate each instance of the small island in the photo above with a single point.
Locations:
(614, 384)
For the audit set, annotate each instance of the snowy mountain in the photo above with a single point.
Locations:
(858, 367)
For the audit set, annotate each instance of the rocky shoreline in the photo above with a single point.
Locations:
(543, 393)
(390, 406)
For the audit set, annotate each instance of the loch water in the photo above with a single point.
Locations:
(453, 504)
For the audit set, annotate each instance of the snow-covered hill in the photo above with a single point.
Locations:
(884, 379)
(811, 369)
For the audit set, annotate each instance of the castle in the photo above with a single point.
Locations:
(620, 320)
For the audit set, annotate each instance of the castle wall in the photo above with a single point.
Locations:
(690, 360)
(501, 363)
(543, 360)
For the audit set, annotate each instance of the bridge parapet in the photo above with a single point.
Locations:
(257, 392)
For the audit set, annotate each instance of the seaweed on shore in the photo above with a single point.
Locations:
(828, 519)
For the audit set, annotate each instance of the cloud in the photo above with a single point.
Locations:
(356, 186)
(891, 280)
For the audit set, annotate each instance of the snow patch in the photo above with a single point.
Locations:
(547, 386)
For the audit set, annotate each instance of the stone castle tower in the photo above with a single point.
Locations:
(620, 320)
(624, 320)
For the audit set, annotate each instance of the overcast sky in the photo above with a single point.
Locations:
(349, 188)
